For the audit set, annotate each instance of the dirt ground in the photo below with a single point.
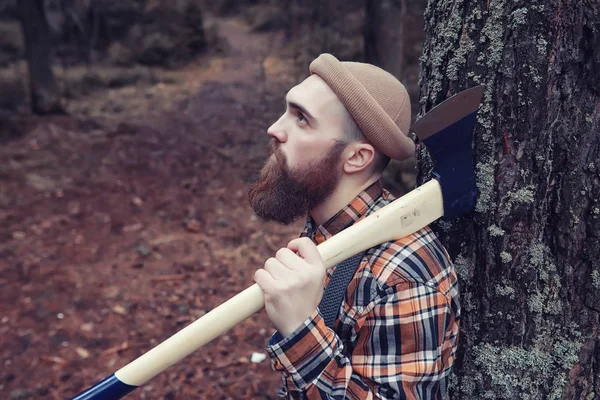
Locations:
(126, 221)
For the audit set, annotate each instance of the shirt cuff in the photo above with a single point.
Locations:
(305, 353)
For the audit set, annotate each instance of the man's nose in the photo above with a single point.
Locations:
(277, 131)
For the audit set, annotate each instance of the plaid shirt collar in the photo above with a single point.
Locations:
(347, 216)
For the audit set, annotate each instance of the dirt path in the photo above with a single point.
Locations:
(120, 229)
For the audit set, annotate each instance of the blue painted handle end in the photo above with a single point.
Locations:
(108, 389)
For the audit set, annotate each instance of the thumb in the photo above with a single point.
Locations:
(306, 249)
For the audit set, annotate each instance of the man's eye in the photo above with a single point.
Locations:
(301, 118)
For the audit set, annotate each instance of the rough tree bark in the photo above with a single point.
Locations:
(45, 95)
(528, 258)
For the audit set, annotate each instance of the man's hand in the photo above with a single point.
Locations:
(292, 284)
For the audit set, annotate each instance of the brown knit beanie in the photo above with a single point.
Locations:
(375, 99)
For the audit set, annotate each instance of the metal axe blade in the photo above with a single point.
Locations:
(447, 132)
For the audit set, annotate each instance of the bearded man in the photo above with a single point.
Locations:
(394, 331)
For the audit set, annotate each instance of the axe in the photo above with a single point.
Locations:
(447, 131)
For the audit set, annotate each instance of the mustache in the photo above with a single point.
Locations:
(275, 149)
(274, 145)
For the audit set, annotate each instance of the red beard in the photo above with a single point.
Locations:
(283, 195)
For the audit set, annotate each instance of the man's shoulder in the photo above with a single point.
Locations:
(417, 259)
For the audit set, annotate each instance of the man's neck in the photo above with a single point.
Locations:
(345, 192)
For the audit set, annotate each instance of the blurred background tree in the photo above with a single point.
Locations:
(45, 96)
(72, 45)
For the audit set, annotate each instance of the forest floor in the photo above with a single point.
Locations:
(128, 219)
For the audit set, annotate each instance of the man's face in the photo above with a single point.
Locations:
(307, 144)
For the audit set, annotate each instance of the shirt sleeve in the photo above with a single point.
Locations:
(400, 347)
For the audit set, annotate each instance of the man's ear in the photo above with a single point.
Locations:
(358, 157)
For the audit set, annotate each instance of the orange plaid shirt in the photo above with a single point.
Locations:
(397, 330)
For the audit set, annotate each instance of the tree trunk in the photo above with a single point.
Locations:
(384, 34)
(326, 26)
(45, 96)
(528, 258)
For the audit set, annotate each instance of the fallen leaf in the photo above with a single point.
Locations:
(83, 353)
(132, 228)
(193, 225)
(18, 235)
(258, 358)
(119, 309)
(111, 292)
(87, 327)
(54, 359)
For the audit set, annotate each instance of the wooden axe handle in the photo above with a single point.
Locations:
(398, 219)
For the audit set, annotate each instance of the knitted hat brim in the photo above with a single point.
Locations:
(370, 117)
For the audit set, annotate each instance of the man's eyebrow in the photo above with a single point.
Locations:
(299, 107)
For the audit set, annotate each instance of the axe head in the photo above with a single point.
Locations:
(447, 132)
